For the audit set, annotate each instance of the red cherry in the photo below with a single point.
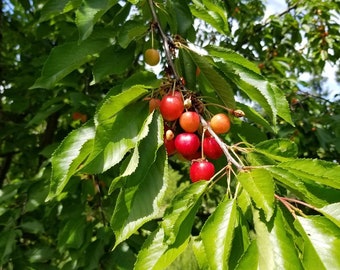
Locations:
(211, 148)
(171, 107)
(79, 116)
(187, 144)
(196, 155)
(201, 170)
(170, 147)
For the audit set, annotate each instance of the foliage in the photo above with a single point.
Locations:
(86, 182)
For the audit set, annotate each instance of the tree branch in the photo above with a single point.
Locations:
(165, 41)
(223, 146)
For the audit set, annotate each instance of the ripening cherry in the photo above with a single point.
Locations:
(211, 148)
(189, 121)
(201, 170)
(187, 144)
(220, 123)
(171, 107)
(154, 104)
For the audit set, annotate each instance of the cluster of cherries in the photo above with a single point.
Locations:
(183, 133)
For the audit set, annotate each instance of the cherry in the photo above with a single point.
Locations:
(189, 121)
(171, 107)
(151, 57)
(154, 104)
(201, 170)
(187, 144)
(79, 116)
(194, 156)
(211, 148)
(170, 146)
(220, 123)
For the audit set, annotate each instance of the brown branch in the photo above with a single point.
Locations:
(282, 13)
(165, 41)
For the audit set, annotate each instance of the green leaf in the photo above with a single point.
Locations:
(211, 13)
(320, 171)
(187, 258)
(250, 259)
(106, 63)
(277, 149)
(146, 78)
(72, 233)
(144, 185)
(32, 226)
(208, 70)
(253, 116)
(199, 251)
(281, 103)
(112, 142)
(66, 58)
(254, 85)
(275, 246)
(298, 186)
(89, 13)
(114, 104)
(70, 154)
(131, 31)
(156, 254)
(50, 107)
(259, 185)
(332, 212)
(40, 254)
(172, 237)
(256, 88)
(7, 245)
(321, 242)
(187, 69)
(179, 17)
(217, 234)
(184, 205)
(114, 135)
(53, 8)
(230, 56)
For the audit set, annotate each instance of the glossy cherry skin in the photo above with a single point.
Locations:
(201, 170)
(211, 148)
(171, 107)
(187, 144)
(189, 121)
(220, 123)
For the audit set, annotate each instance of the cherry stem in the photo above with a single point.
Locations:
(152, 43)
(165, 41)
(291, 208)
(223, 146)
(202, 143)
(299, 202)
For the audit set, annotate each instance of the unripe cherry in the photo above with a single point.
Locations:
(151, 57)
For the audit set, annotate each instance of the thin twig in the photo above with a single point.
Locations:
(165, 41)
